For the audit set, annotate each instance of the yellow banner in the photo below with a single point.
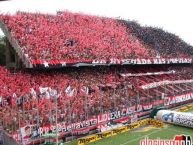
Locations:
(106, 134)
(156, 123)
(89, 139)
(185, 108)
(119, 130)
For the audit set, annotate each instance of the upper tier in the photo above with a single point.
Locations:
(44, 40)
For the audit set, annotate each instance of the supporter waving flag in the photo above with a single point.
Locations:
(70, 92)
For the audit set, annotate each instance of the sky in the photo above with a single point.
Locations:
(174, 16)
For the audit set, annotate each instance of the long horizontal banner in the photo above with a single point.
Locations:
(144, 61)
(165, 82)
(100, 119)
(178, 99)
(147, 73)
(76, 63)
(31, 131)
(185, 108)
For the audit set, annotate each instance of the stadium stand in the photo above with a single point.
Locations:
(84, 93)
(165, 43)
(70, 38)
(79, 95)
(79, 37)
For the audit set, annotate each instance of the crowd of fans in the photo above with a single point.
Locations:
(167, 44)
(79, 94)
(68, 36)
(76, 37)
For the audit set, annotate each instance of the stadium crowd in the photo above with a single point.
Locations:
(68, 36)
(80, 94)
(167, 44)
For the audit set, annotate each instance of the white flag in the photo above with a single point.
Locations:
(69, 91)
(85, 89)
(52, 92)
(33, 92)
(43, 90)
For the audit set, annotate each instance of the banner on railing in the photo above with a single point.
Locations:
(112, 61)
(165, 82)
(144, 61)
(33, 131)
(178, 99)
